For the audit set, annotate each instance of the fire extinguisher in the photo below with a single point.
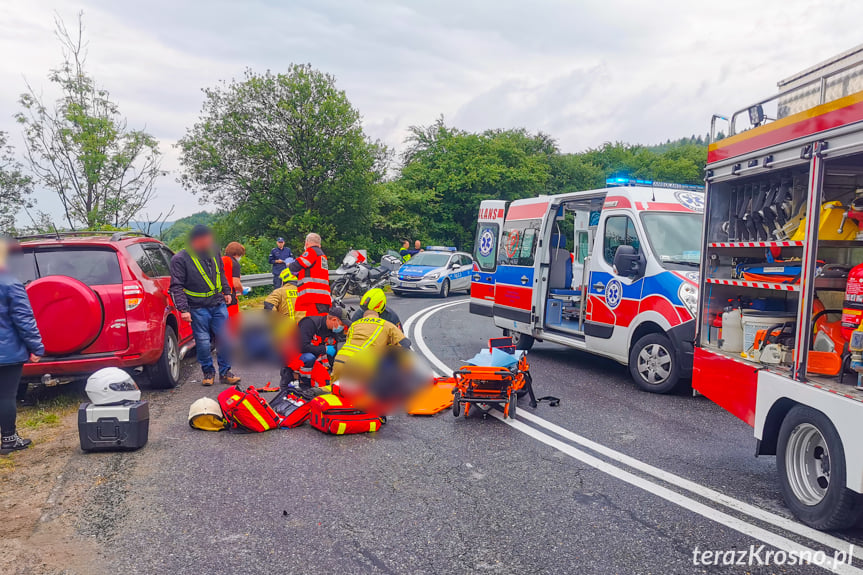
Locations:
(852, 307)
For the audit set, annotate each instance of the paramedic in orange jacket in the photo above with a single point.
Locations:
(313, 279)
(231, 262)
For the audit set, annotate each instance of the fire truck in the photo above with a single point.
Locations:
(777, 342)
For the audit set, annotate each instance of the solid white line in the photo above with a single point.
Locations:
(730, 521)
(691, 486)
(406, 325)
(707, 493)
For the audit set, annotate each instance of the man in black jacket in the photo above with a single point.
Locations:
(201, 291)
(317, 340)
(280, 257)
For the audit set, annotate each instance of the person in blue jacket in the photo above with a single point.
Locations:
(19, 342)
(280, 257)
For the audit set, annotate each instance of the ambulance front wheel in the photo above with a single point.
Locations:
(653, 364)
(520, 340)
(810, 460)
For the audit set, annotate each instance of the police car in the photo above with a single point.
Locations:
(438, 270)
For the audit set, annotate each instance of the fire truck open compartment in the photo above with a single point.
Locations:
(780, 296)
(762, 277)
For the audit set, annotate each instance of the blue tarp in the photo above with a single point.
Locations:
(495, 358)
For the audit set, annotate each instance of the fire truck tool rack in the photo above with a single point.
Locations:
(780, 242)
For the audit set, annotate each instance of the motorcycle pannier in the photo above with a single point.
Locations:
(123, 426)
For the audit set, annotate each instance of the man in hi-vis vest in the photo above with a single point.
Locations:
(201, 291)
(313, 279)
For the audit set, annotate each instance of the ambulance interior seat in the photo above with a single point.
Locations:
(560, 271)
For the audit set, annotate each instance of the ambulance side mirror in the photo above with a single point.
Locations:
(628, 262)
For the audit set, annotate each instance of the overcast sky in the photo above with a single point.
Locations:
(584, 72)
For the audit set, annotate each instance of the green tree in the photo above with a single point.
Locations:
(446, 173)
(15, 187)
(287, 154)
(80, 146)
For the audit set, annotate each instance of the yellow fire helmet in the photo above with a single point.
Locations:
(287, 276)
(375, 300)
(206, 414)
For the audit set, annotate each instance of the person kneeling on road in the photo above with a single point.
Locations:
(317, 343)
(376, 300)
(201, 292)
(367, 339)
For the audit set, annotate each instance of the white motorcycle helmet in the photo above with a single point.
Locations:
(112, 385)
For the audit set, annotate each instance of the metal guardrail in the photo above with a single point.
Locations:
(266, 279)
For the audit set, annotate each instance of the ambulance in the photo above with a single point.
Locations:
(612, 271)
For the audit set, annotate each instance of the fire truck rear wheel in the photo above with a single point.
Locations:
(810, 460)
(653, 364)
(520, 340)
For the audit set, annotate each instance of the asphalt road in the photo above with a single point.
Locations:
(664, 476)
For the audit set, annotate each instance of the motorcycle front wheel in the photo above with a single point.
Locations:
(339, 289)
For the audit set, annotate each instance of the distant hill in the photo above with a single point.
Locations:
(183, 226)
(155, 229)
(680, 142)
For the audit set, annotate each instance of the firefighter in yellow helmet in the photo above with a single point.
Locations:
(283, 300)
(366, 341)
(376, 300)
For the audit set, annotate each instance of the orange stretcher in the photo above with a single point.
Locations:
(486, 386)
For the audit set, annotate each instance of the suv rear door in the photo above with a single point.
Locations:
(96, 267)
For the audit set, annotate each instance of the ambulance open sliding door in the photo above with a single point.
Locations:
(514, 291)
(485, 253)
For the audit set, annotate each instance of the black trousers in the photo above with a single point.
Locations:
(10, 379)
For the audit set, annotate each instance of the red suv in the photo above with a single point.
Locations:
(101, 300)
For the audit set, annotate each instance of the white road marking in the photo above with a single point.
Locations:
(735, 523)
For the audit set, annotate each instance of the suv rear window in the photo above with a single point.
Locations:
(92, 266)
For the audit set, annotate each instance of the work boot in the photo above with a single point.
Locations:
(228, 378)
(209, 378)
(12, 443)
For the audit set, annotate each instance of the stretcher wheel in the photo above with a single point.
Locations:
(511, 405)
(456, 403)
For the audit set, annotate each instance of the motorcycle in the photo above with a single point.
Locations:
(356, 275)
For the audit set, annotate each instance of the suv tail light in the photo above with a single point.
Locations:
(133, 294)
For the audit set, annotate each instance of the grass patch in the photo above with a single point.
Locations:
(39, 419)
(47, 413)
(253, 302)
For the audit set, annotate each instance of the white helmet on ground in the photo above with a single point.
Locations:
(112, 385)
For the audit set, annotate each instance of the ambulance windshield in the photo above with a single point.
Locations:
(674, 237)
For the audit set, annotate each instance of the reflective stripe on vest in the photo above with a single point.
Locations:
(348, 349)
(213, 289)
(313, 283)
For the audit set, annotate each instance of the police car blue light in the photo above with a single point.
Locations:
(437, 270)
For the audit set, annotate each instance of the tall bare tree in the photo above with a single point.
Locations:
(79, 146)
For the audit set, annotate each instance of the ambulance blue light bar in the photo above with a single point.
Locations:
(439, 249)
(617, 182)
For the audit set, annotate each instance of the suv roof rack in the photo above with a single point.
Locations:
(115, 236)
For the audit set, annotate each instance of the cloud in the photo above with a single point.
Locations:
(584, 72)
